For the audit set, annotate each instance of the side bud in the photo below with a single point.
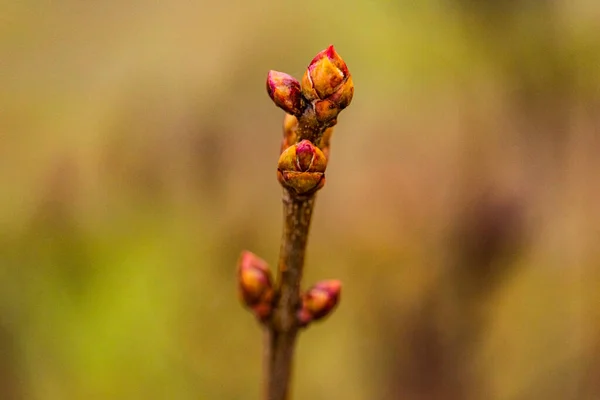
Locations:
(319, 301)
(301, 168)
(327, 83)
(285, 92)
(255, 284)
(325, 144)
(290, 124)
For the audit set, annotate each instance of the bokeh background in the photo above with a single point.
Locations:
(138, 150)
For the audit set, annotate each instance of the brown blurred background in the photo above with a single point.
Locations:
(462, 209)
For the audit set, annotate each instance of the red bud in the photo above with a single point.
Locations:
(285, 92)
(254, 279)
(319, 301)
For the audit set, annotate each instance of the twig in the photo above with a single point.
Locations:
(312, 107)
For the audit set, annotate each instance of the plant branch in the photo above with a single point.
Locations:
(312, 108)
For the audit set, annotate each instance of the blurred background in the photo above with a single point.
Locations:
(138, 150)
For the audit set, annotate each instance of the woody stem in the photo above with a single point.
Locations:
(282, 331)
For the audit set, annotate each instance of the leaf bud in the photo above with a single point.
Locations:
(301, 168)
(327, 83)
(319, 301)
(254, 279)
(285, 92)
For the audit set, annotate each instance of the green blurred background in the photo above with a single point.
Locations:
(138, 150)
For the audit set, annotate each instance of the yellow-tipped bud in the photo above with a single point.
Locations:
(301, 168)
(319, 301)
(327, 83)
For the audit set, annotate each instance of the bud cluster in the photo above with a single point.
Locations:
(255, 288)
(326, 88)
